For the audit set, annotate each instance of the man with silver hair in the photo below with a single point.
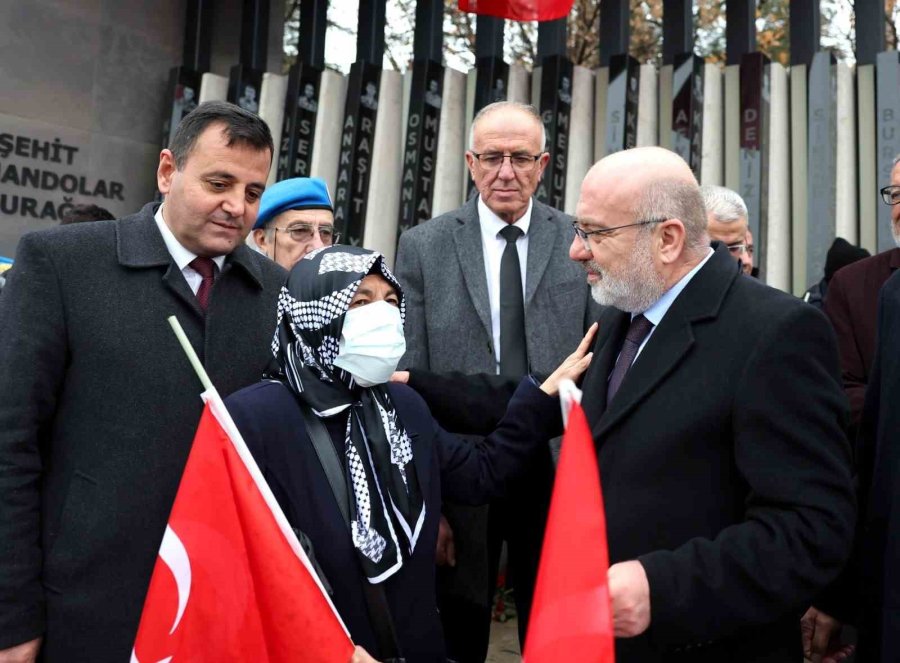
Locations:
(725, 469)
(726, 216)
(852, 304)
(490, 290)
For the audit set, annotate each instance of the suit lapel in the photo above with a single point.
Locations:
(467, 237)
(666, 348)
(174, 280)
(541, 237)
(670, 343)
(613, 325)
(140, 245)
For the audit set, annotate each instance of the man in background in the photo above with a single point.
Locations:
(726, 216)
(852, 305)
(490, 290)
(81, 213)
(296, 216)
(840, 254)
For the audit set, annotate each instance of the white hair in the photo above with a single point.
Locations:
(724, 204)
(508, 105)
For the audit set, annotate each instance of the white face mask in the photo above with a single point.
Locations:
(372, 343)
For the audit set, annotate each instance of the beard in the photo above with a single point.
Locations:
(895, 231)
(633, 289)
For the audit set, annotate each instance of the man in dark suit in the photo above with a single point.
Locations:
(716, 408)
(99, 403)
(489, 290)
(852, 304)
(879, 478)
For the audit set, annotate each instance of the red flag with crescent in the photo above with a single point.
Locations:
(519, 10)
(231, 582)
(571, 616)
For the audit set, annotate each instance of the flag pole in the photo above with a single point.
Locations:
(191, 354)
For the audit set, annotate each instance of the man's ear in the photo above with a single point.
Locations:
(259, 236)
(542, 164)
(470, 162)
(671, 240)
(166, 171)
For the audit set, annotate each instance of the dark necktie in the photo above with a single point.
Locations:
(206, 268)
(513, 354)
(637, 332)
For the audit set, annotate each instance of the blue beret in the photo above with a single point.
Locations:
(295, 193)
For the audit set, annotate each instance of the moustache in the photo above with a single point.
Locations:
(592, 267)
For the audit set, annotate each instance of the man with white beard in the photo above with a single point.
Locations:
(852, 305)
(716, 407)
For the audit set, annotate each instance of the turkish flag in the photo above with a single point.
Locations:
(519, 10)
(571, 616)
(231, 582)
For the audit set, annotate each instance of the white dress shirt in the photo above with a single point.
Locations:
(181, 255)
(493, 246)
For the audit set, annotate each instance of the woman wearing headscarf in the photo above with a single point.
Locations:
(359, 466)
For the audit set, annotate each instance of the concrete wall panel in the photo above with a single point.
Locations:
(581, 123)
(648, 107)
(383, 203)
(271, 109)
(213, 88)
(778, 240)
(327, 142)
(712, 162)
(449, 188)
(846, 206)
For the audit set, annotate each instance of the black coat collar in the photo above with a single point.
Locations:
(671, 342)
(140, 244)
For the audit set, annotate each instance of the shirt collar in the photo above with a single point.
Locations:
(491, 224)
(656, 312)
(180, 255)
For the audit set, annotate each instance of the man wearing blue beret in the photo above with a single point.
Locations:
(296, 216)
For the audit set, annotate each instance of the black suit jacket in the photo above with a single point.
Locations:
(448, 467)
(879, 474)
(98, 407)
(725, 468)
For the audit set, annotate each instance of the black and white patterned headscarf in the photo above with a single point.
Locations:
(386, 505)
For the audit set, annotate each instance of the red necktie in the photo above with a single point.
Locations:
(206, 268)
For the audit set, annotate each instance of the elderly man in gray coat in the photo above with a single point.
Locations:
(98, 404)
(490, 289)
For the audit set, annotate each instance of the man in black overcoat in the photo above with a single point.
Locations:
(98, 403)
(716, 407)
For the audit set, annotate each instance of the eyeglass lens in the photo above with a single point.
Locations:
(495, 159)
(304, 233)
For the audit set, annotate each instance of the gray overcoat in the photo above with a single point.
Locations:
(440, 265)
